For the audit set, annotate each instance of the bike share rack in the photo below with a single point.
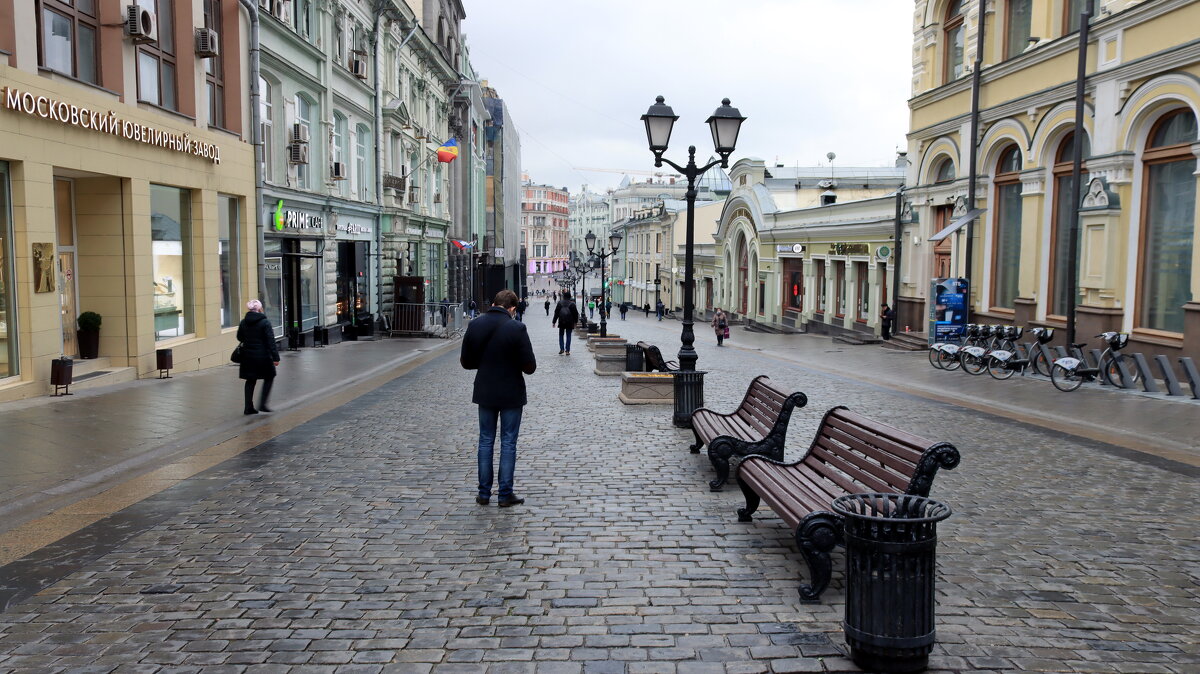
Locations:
(1168, 372)
(1193, 376)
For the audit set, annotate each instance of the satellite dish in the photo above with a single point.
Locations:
(830, 156)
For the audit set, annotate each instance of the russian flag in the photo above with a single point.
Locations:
(462, 245)
(448, 151)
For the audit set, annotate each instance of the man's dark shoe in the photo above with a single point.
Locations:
(560, 352)
(264, 408)
(482, 500)
(250, 410)
(511, 501)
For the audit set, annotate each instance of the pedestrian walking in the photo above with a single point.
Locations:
(445, 310)
(608, 309)
(498, 348)
(566, 315)
(623, 307)
(521, 307)
(259, 356)
(591, 308)
(647, 309)
(720, 326)
(659, 309)
(472, 307)
(547, 306)
(888, 316)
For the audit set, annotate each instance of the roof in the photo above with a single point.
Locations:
(836, 172)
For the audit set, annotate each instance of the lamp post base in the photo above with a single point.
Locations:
(689, 396)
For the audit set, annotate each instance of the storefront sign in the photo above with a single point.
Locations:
(415, 231)
(353, 228)
(849, 249)
(107, 123)
(789, 248)
(289, 219)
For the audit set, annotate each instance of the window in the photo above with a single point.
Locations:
(839, 271)
(1064, 215)
(1018, 20)
(945, 172)
(1168, 222)
(1072, 12)
(339, 149)
(539, 250)
(69, 35)
(268, 128)
(302, 16)
(8, 304)
(229, 258)
(1007, 229)
(304, 118)
(953, 41)
(214, 79)
(794, 291)
(156, 61)
(819, 267)
(170, 229)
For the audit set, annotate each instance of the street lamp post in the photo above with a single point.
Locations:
(725, 124)
(581, 267)
(614, 242)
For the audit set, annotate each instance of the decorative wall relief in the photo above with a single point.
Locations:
(43, 267)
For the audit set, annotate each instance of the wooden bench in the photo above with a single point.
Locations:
(758, 426)
(654, 359)
(851, 454)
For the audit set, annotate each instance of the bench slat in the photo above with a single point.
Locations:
(841, 465)
(883, 447)
(904, 444)
(850, 462)
(790, 497)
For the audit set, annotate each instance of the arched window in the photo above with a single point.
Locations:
(1168, 222)
(304, 118)
(945, 171)
(1007, 229)
(1063, 216)
(267, 108)
(743, 276)
(1018, 25)
(953, 42)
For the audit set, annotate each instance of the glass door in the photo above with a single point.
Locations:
(64, 217)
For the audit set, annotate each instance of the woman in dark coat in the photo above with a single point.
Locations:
(259, 355)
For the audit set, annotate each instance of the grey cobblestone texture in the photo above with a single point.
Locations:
(353, 544)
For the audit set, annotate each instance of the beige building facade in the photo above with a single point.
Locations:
(1139, 243)
(126, 186)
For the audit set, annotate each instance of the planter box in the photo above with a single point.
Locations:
(608, 346)
(647, 388)
(608, 365)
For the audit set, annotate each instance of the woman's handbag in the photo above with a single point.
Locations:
(727, 332)
(236, 356)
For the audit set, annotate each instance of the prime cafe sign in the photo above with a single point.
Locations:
(107, 123)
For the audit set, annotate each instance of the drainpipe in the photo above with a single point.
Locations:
(972, 146)
(1085, 20)
(897, 233)
(256, 139)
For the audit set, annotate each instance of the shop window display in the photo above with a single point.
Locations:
(8, 318)
(170, 224)
(228, 256)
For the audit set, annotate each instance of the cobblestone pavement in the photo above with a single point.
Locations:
(352, 544)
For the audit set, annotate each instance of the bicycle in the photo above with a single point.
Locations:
(1068, 374)
(1037, 350)
(1003, 363)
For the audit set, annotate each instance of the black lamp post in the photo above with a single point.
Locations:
(725, 124)
(614, 242)
(581, 269)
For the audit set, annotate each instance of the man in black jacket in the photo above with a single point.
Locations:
(499, 348)
(566, 315)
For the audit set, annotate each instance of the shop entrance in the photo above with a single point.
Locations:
(293, 291)
(353, 286)
(942, 216)
(67, 263)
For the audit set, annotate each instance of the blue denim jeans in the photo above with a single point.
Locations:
(564, 344)
(510, 425)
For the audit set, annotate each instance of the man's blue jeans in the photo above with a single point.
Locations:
(510, 425)
(564, 345)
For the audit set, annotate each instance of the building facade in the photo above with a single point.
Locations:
(545, 231)
(126, 186)
(1137, 261)
(589, 212)
(501, 259)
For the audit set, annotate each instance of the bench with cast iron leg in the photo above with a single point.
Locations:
(850, 454)
(757, 426)
(654, 359)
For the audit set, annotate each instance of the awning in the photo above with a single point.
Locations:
(957, 224)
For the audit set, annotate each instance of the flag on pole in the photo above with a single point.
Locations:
(462, 245)
(448, 151)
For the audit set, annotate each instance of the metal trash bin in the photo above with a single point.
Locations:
(891, 541)
(635, 359)
(689, 396)
(164, 362)
(61, 375)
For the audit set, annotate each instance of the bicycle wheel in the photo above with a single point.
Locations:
(1065, 380)
(1113, 374)
(948, 361)
(973, 364)
(997, 369)
(1040, 364)
(934, 358)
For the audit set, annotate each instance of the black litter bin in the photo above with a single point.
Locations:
(634, 358)
(891, 540)
(61, 375)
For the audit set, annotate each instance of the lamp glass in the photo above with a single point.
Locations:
(725, 123)
(615, 241)
(659, 120)
(590, 240)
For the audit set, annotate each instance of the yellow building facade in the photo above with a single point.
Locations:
(1139, 243)
(126, 187)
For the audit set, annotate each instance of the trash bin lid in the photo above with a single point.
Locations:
(891, 507)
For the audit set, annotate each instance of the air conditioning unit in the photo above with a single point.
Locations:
(140, 24)
(299, 134)
(207, 43)
(358, 67)
(298, 154)
(337, 170)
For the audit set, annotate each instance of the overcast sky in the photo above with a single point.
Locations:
(811, 76)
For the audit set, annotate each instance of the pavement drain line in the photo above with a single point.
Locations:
(37, 533)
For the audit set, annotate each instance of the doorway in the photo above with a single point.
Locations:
(942, 216)
(67, 263)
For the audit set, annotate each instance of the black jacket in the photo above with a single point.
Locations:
(259, 354)
(499, 348)
(562, 323)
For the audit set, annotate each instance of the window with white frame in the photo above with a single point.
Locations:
(69, 38)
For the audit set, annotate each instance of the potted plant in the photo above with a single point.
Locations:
(89, 334)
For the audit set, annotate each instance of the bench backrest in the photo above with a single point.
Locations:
(654, 358)
(762, 405)
(863, 455)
